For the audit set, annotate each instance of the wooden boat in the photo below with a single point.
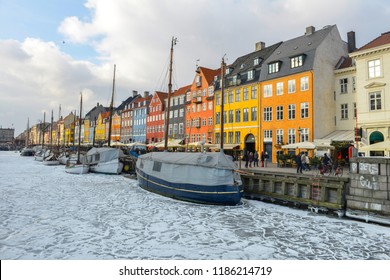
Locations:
(105, 160)
(209, 178)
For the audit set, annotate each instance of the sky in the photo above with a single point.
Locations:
(50, 51)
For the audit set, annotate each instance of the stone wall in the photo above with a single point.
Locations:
(368, 196)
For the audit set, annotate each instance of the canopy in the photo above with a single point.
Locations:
(136, 144)
(199, 144)
(308, 146)
(380, 146)
(115, 144)
(172, 143)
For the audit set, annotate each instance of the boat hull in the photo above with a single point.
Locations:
(109, 167)
(204, 194)
(50, 162)
(77, 169)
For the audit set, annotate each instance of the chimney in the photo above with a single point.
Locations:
(310, 30)
(97, 105)
(146, 94)
(259, 46)
(351, 41)
(135, 93)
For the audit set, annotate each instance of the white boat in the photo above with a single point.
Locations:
(77, 168)
(50, 160)
(209, 178)
(105, 160)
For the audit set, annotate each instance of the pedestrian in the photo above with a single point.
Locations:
(250, 157)
(307, 162)
(246, 159)
(262, 158)
(298, 160)
(256, 159)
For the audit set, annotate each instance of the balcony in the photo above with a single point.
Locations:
(197, 99)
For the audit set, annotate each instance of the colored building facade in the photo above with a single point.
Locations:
(155, 120)
(199, 113)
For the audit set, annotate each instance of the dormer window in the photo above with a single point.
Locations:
(274, 67)
(251, 74)
(198, 81)
(296, 61)
(227, 71)
(256, 61)
(242, 66)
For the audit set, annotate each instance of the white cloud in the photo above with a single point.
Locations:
(136, 35)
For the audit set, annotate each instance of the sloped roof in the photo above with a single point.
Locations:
(182, 90)
(209, 74)
(344, 62)
(384, 39)
(305, 44)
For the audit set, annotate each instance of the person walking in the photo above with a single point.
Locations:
(298, 160)
(250, 157)
(262, 158)
(256, 159)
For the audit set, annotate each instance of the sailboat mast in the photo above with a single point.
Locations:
(28, 131)
(43, 129)
(111, 108)
(51, 130)
(169, 96)
(81, 108)
(222, 101)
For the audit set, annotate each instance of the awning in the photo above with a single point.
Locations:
(339, 136)
(380, 146)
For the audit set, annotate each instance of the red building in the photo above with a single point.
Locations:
(155, 120)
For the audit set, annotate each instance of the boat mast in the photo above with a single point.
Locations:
(174, 40)
(81, 108)
(27, 132)
(43, 129)
(51, 130)
(222, 100)
(111, 108)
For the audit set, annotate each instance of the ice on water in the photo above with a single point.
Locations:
(46, 213)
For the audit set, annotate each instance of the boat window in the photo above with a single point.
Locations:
(157, 166)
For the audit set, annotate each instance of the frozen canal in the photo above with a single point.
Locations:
(46, 213)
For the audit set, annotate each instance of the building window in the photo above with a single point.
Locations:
(238, 97)
(246, 94)
(304, 83)
(279, 88)
(230, 138)
(344, 85)
(231, 116)
(217, 138)
(375, 101)
(246, 114)
(304, 133)
(230, 98)
(374, 68)
(256, 61)
(210, 121)
(254, 114)
(354, 110)
(238, 115)
(279, 136)
(353, 84)
(296, 61)
(268, 114)
(218, 99)
(344, 111)
(273, 67)
(304, 110)
(291, 112)
(279, 113)
(268, 134)
(238, 137)
(250, 75)
(291, 86)
(267, 90)
(218, 118)
(254, 92)
(291, 136)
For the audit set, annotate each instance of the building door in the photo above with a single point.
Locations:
(250, 143)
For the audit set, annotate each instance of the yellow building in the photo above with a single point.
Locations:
(241, 101)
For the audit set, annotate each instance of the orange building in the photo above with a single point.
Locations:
(200, 107)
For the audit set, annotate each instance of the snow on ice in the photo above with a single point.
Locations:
(48, 214)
